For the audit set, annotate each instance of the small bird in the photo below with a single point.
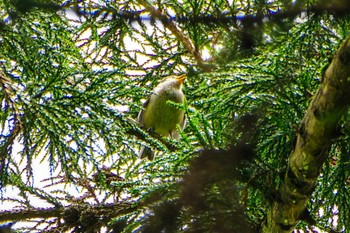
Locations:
(159, 116)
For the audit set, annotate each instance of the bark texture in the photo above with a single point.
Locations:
(314, 139)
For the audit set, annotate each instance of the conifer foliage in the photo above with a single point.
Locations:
(266, 146)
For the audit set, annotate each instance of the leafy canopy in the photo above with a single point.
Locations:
(74, 75)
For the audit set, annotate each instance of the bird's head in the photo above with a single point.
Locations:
(174, 81)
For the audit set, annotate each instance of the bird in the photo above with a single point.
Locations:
(161, 117)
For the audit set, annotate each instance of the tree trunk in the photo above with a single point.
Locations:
(314, 139)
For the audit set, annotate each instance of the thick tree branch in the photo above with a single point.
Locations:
(101, 210)
(318, 128)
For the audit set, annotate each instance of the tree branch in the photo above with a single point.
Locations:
(169, 24)
(314, 138)
(102, 209)
(9, 94)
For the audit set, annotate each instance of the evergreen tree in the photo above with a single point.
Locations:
(266, 145)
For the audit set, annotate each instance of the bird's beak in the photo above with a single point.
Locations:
(181, 78)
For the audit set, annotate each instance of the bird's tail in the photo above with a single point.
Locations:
(146, 152)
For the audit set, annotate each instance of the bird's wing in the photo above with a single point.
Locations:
(140, 118)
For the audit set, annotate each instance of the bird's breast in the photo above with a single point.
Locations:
(161, 115)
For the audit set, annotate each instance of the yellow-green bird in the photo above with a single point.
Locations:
(159, 115)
